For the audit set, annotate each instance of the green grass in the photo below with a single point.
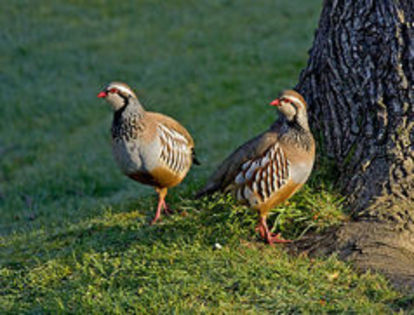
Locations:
(73, 231)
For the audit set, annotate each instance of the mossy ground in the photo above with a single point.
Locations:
(74, 231)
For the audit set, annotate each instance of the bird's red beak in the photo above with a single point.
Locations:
(275, 102)
(102, 94)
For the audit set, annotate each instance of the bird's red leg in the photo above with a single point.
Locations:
(265, 233)
(161, 203)
(260, 228)
(158, 213)
(167, 209)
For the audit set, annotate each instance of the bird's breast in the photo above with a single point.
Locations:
(300, 172)
(127, 155)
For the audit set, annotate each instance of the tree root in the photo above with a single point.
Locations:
(369, 245)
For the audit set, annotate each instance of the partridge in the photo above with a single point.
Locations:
(271, 167)
(149, 147)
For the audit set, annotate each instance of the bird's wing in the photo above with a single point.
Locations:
(176, 150)
(231, 166)
(259, 178)
(172, 124)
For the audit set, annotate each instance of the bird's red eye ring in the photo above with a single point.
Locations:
(113, 90)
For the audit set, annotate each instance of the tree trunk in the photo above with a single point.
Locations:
(359, 84)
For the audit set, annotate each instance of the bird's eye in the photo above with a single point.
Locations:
(113, 90)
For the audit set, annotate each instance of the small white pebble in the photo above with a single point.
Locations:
(217, 246)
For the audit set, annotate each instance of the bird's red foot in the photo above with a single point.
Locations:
(162, 205)
(155, 220)
(269, 237)
(276, 238)
(259, 228)
(167, 209)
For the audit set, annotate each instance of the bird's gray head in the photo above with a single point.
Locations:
(117, 94)
(293, 106)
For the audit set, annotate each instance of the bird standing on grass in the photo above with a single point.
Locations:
(151, 148)
(271, 167)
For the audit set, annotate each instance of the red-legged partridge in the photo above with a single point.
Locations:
(271, 167)
(150, 148)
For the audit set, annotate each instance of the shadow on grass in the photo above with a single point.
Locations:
(115, 232)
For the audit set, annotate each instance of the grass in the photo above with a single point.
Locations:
(73, 231)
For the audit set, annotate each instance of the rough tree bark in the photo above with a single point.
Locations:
(359, 83)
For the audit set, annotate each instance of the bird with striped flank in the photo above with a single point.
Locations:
(149, 147)
(270, 168)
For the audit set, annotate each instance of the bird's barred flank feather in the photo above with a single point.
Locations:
(175, 151)
(260, 178)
